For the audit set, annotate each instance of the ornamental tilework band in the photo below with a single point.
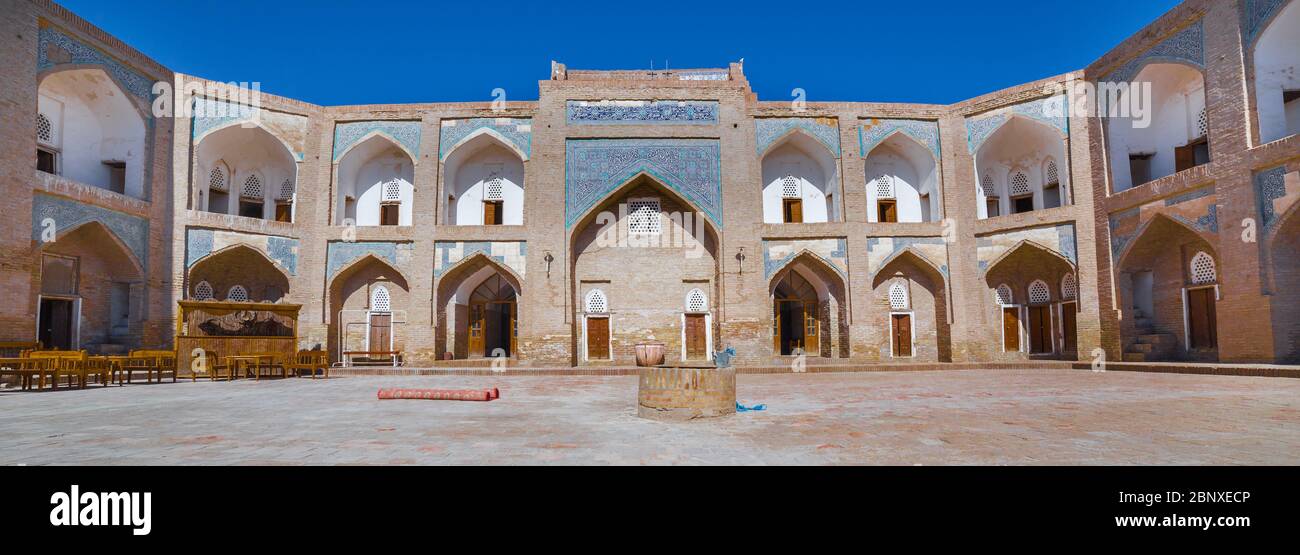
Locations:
(1256, 15)
(67, 50)
(1186, 46)
(405, 133)
(596, 167)
(199, 243)
(876, 131)
(779, 252)
(511, 254)
(1053, 111)
(514, 131)
(698, 112)
(770, 130)
(217, 113)
(1270, 185)
(1058, 239)
(68, 214)
(340, 253)
(882, 250)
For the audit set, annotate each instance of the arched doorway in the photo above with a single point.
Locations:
(367, 308)
(902, 182)
(1168, 284)
(375, 178)
(478, 310)
(809, 312)
(1031, 317)
(483, 183)
(91, 293)
(911, 292)
(801, 182)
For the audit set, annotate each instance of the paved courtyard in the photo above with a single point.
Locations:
(930, 418)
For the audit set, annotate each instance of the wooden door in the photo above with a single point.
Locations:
(492, 212)
(597, 338)
(1184, 158)
(902, 335)
(389, 214)
(514, 328)
(1011, 329)
(1201, 318)
(1069, 341)
(56, 324)
(476, 328)
(381, 331)
(1040, 329)
(776, 328)
(887, 211)
(793, 211)
(811, 329)
(696, 337)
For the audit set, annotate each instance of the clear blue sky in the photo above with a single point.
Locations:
(380, 51)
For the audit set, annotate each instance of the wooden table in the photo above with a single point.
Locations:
(243, 363)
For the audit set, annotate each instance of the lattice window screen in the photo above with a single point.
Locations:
(1069, 289)
(1019, 184)
(393, 191)
(987, 186)
(790, 187)
(885, 187)
(643, 216)
(252, 187)
(203, 291)
(237, 294)
(1202, 124)
(493, 189)
(217, 180)
(596, 302)
(1039, 293)
(1003, 295)
(898, 297)
(1053, 173)
(696, 301)
(286, 190)
(379, 301)
(44, 129)
(1203, 270)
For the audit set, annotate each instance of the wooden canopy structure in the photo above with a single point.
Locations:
(230, 328)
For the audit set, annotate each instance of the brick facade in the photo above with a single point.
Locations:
(696, 141)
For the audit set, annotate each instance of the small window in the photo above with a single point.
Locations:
(696, 301)
(46, 161)
(379, 300)
(203, 291)
(792, 211)
(1003, 295)
(993, 207)
(219, 202)
(986, 185)
(884, 187)
(284, 212)
(389, 214)
(1069, 288)
(1051, 195)
(44, 130)
(237, 294)
(1139, 166)
(286, 191)
(643, 216)
(392, 191)
(1202, 269)
(1202, 124)
(116, 176)
(252, 188)
(790, 187)
(887, 211)
(492, 210)
(1020, 184)
(898, 297)
(596, 303)
(1039, 293)
(493, 189)
(217, 179)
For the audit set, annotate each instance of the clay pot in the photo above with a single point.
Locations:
(649, 354)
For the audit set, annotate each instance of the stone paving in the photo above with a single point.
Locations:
(988, 417)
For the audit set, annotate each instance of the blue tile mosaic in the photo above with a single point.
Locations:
(1256, 15)
(596, 167)
(1270, 185)
(873, 132)
(405, 133)
(1186, 46)
(68, 214)
(514, 131)
(673, 112)
(50, 39)
(769, 130)
(1053, 111)
(339, 254)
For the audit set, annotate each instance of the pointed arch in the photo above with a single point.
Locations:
(140, 105)
(830, 281)
(99, 228)
(237, 248)
(485, 134)
(467, 266)
(1032, 246)
(366, 259)
(640, 178)
(910, 254)
(248, 125)
(381, 135)
(901, 134)
(1144, 228)
(790, 135)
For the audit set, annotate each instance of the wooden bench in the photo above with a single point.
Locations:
(71, 364)
(150, 362)
(29, 371)
(310, 361)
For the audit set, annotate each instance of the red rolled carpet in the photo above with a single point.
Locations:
(440, 394)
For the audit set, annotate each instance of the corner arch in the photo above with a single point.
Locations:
(136, 263)
(1142, 231)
